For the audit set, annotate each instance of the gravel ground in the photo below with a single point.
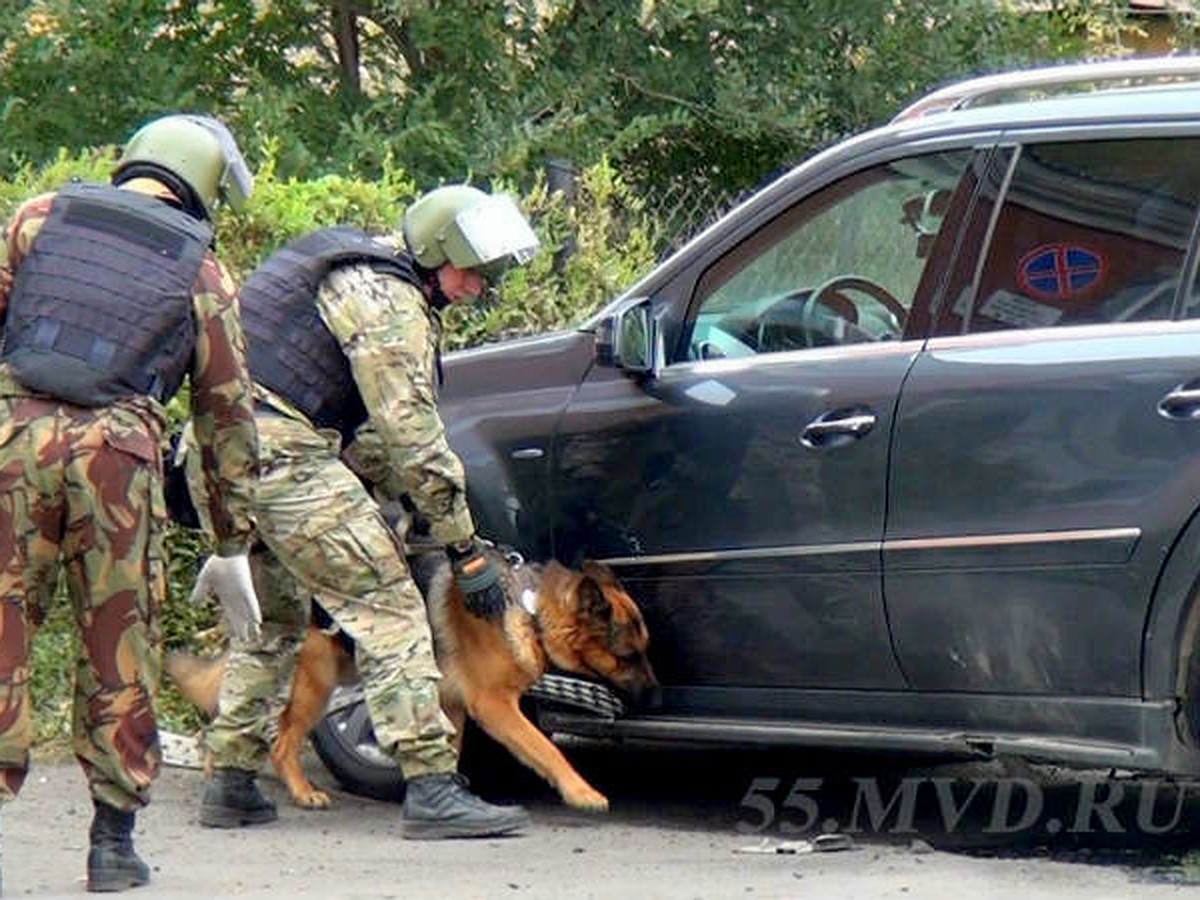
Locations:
(679, 829)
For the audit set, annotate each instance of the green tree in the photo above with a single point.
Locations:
(698, 91)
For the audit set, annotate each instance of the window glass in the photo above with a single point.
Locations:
(844, 266)
(1089, 232)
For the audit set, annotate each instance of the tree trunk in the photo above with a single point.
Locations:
(345, 33)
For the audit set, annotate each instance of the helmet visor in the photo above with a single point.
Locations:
(236, 181)
(495, 235)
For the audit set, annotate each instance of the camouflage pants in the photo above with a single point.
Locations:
(326, 540)
(81, 489)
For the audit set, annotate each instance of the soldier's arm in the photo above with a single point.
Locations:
(384, 329)
(16, 240)
(367, 457)
(7, 269)
(222, 409)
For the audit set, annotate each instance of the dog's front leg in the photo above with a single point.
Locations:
(501, 717)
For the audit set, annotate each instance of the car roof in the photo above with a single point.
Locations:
(1082, 77)
(1143, 103)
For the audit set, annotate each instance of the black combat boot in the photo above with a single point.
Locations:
(232, 800)
(442, 806)
(112, 864)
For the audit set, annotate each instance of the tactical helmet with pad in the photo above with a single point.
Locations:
(196, 156)
(469, 229)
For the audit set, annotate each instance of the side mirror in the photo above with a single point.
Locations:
(629, 339)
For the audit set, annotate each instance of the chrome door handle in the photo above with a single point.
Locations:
(836, 429)
(1181, 403)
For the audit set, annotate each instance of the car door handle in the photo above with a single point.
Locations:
(837, 428)
(1181, 403)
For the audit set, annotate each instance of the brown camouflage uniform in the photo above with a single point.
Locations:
(327, 539)
(81, 489)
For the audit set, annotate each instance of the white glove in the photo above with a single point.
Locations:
(228, 579)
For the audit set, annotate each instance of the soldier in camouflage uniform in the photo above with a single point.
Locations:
(112, 296)
(343, 334)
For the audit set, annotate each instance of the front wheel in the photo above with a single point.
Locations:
(345, 742)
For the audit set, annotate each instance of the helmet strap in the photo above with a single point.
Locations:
(433, 286)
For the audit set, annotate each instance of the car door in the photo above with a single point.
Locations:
(1047, 451)
(740, 490)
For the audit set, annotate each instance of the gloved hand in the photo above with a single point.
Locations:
(228, 579)
(478, 577)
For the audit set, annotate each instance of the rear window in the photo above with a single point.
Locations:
(1089, 232)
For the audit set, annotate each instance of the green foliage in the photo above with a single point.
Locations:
(281, 210)
(706, 90)
(610, 243)
(55, 648)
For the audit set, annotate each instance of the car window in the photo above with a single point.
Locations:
(841, 267)
(1088, 232)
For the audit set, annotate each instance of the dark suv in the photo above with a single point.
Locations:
(904, 451)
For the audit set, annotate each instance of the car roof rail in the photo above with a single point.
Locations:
(1073, 77)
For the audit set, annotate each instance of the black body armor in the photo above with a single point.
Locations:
(291, 351)
(102, 305)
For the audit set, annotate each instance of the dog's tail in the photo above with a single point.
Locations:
(198, 678)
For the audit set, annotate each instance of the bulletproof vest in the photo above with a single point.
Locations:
(290, 349)
(102, 306)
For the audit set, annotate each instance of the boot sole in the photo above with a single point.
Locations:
(436, 831)
(236, 818)
(113, 885)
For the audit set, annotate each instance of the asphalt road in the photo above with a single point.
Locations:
(682, 825)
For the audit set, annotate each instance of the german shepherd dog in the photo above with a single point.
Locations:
(580, 622)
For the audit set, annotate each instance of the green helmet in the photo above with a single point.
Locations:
(195, 156)
(469, 229)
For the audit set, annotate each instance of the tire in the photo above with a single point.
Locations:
(346, 745)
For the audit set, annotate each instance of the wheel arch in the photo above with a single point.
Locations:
(1171, 640)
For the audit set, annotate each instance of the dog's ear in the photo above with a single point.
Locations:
(591, 600)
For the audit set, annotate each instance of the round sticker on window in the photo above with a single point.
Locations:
(1060, 271)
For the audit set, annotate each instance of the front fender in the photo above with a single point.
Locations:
(501, 404)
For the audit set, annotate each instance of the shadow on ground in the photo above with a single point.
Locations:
(997, 808)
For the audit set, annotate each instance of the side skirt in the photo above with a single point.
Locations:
(1085, 733)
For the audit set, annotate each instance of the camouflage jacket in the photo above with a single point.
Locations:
(221, 399)
(391, 336)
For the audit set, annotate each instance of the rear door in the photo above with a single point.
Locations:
(1046, 452)
(741, 491)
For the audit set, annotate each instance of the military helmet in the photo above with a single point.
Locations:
(196, 156)
(469, 229)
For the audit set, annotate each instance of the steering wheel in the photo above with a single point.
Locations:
(830, 293)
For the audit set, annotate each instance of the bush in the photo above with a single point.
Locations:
(610, 243)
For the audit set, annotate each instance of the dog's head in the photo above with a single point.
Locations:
(596, 629)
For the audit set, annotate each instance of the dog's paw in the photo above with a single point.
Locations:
(587, 799)
(313, 799)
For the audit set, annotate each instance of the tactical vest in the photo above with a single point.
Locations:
(290, 349)
(102, 306)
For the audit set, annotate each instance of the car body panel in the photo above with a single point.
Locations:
(1068, 422)
(673, 480)
(1002, 564)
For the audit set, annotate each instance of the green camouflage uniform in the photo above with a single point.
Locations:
(81, 488)
(326, 539)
